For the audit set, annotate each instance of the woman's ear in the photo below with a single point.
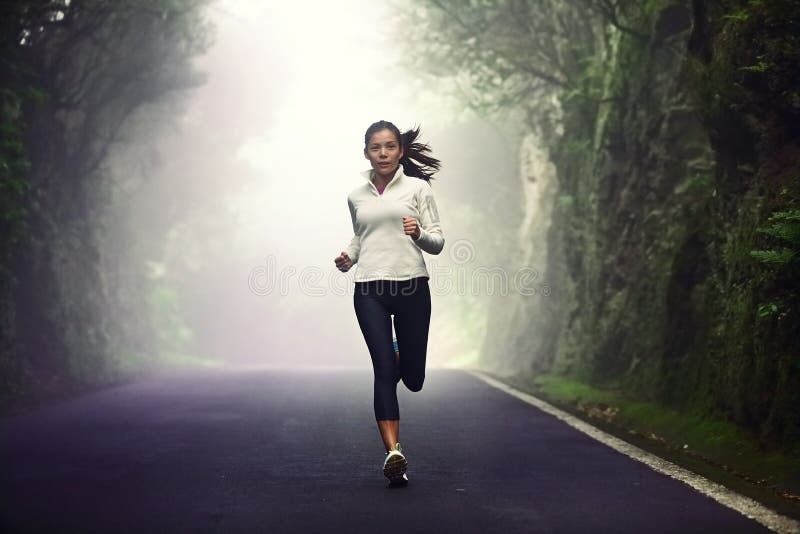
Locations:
(365, 154)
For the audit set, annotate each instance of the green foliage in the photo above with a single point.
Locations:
(71, 85)
(502, 56)
(767, 310)
(174, 337)
(165, 312)
(785, 228)
(739, 15)
(623, 237)
(753, 69)
(773, 257)
(565, 201)
(14, 169)
(697, 434)
(577, 146)
(697, 182)
(34, 95)
(759, 67)
(589, 82)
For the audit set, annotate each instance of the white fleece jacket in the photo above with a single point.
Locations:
(379, 246)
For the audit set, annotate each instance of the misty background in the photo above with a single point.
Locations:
(175, 174)
(237, 202)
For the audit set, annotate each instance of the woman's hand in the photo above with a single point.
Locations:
(411, 227)
(343, 262)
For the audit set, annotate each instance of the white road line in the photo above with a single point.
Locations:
(744, 505)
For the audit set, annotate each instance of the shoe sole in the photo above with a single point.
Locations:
(395, 468)
(399, 481)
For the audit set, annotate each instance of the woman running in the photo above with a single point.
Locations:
(394, 219)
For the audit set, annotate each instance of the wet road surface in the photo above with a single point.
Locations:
(299, 451)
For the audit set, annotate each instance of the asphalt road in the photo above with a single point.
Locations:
(299, 451)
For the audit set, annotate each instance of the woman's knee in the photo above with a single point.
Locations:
(414, 384)
(385, 376)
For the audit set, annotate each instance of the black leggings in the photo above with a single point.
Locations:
(410, 303)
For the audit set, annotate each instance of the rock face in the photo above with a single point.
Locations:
(530, 295)
(643, 215)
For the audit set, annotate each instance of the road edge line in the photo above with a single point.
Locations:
(723, 495)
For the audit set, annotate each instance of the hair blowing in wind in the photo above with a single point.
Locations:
(417, 160)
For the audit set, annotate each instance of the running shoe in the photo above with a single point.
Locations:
(402, 481)
(395, 465)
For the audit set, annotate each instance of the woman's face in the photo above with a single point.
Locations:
(384, 153)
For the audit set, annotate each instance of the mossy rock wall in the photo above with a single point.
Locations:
(692, 145)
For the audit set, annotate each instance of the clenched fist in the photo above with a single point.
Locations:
(343, 262)
(411, 227)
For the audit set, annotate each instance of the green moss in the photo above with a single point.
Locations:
(14, 169)
(696, 184)
(716, 440)
(703, 272)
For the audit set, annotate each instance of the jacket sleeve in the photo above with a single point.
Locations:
(354, 248)
(431, 238)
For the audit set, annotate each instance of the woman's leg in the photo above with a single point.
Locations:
(412, 322)
(375, 322)
(390, 432)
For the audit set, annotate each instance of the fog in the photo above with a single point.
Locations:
(261, 162)
(618, 197)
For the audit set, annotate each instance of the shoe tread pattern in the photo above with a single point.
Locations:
(395, 467)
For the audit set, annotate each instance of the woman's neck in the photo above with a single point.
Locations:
(380, 181)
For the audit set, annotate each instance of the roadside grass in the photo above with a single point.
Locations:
(711, 447)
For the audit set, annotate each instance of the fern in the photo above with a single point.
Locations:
(767, 310)
(774, 257)
(785, 227)
(739, 15)
(758, 67)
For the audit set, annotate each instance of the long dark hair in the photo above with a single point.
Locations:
(416, 160)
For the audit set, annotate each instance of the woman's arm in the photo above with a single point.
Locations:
(431, 238)
(354, 248)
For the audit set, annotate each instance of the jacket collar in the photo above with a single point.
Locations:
(368, 177)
